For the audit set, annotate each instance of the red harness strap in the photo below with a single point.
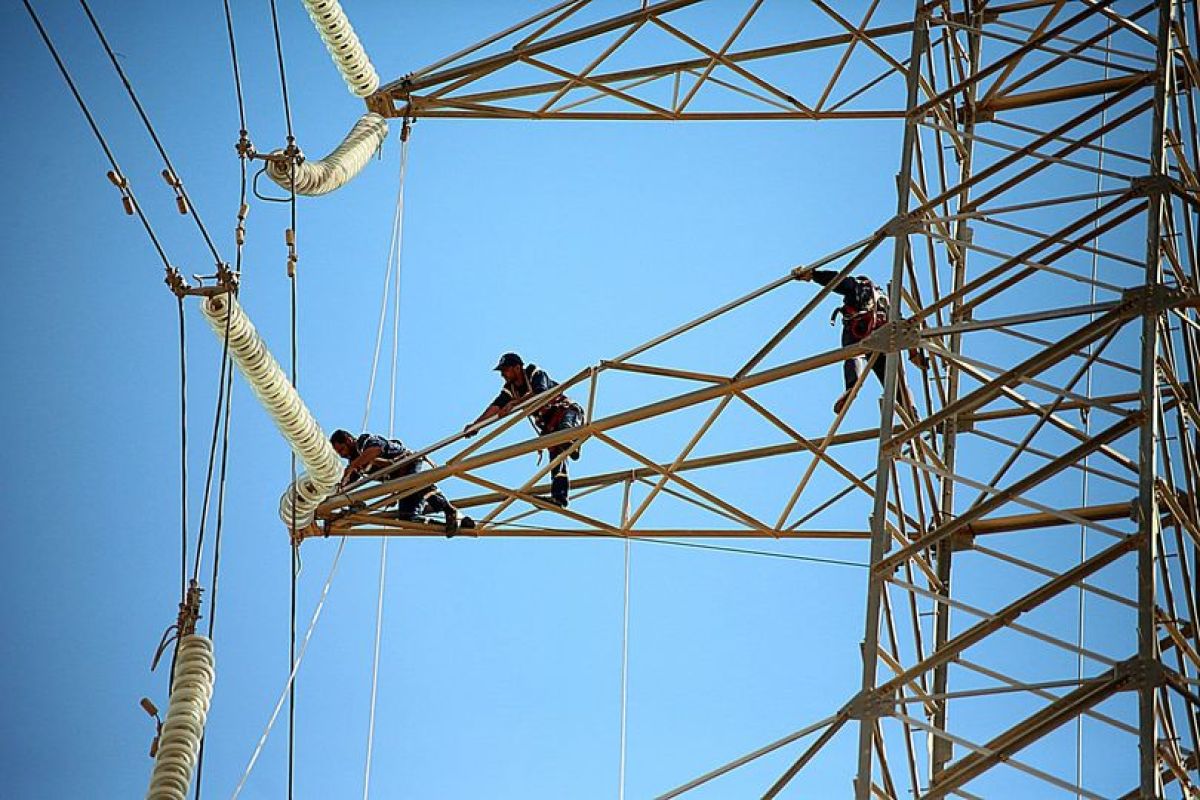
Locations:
(861, 324)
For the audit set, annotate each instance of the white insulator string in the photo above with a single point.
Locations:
(343, 45)
(283, 695)
(339, 167)
(280, 399)
(179, 744)
(394, 253)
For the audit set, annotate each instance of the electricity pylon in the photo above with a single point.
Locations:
(1032, 483)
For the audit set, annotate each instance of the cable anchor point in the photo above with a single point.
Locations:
(185, 622)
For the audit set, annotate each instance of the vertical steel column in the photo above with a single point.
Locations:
(868, 714)
(1148, 514)
(943, 748)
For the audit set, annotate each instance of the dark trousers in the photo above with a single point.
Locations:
(412, 505)
(572, 417)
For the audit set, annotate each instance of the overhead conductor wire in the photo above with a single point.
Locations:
(239, 242)
(172, 176)
(133, 207)
(291, 242)
(116, 176)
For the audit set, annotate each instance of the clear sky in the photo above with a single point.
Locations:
(567, 242)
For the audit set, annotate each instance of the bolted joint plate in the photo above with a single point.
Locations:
(1149, 185)
(867, 705)
(892, 337)
(1156, 298)
(1139, 672)
(902, 225)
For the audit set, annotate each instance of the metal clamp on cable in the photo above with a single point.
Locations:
(173, 181)
(122, 184)
(185, 622)
(225, 281)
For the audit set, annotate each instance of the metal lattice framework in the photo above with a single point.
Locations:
(1044, 256)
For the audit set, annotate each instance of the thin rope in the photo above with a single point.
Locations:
(624, 675)
(112, 160)
(283, 695)
(1087, 428)
(397, 225)
(195, 214)
(394, 264)
(714, 547)
(375, 666)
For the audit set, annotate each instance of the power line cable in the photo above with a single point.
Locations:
(116, 176)
(172, 178)
(243, 149)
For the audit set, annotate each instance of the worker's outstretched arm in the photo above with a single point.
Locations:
(845, 287)
(493, 410)
(360, 462)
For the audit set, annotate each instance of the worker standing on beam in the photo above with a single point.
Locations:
(864, 309)
(522, 381)
(369, 453)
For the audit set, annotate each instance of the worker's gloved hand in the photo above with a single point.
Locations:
(470, 431)
(918, 358)
(802, 273)
(348, 477)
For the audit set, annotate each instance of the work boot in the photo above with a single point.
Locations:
(575, 453)
(438, 502)
(559, 487)
(840, 403)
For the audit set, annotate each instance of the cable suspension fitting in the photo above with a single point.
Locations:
(335, 170)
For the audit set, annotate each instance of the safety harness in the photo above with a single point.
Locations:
(864, 311)
(550, 415)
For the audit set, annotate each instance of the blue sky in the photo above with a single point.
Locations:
(569, 243)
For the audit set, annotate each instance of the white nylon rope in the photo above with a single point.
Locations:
(339, 167)
(179, 744)
(394, 250)
(280, 399)
(624, 644)
(1087, 429)
(624, 676)
(262, 741)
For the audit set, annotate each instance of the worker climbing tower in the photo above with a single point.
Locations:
(1033, 486)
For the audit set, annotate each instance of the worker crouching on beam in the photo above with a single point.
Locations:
(522, 381)
(369, 453)
(864, 309)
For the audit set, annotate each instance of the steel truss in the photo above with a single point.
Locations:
(1044, 255)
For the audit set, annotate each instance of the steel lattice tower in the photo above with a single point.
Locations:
(1043, 257)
